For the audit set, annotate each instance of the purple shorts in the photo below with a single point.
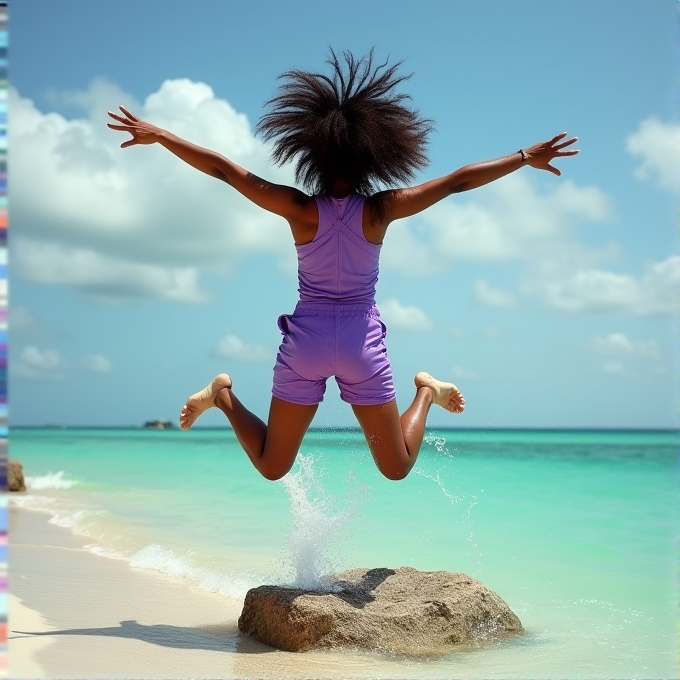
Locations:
(321, 340)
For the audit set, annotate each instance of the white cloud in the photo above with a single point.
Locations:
(99, 276)
(20, 318)
(621, 353)
(596, 291)
(491, 332)
(614, 367)
(48, 359)
(657, 146)
(233, 347)
(506, 220)
(485, 294)
(622, 345)
(458, 332)
(460, 373)
(403, 317)
(38, 364)
(96, 363)
(75, 192)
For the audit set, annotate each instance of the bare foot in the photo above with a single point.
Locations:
(446, 395)
(202, 401)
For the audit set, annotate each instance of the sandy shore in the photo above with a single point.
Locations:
(74, 614)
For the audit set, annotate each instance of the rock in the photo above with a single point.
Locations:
(15, 476)
(405, 611)
(158, 425)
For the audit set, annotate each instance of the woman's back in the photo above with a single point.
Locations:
(339, 264)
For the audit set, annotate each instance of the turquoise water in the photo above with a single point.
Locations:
(576, 531)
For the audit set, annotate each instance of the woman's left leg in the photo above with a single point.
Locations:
(395, 440)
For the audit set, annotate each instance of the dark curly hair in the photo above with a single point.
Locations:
(350, 126)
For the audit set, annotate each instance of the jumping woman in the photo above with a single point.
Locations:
(353, 141)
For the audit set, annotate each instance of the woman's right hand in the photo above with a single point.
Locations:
(141, 131)
(540, 155)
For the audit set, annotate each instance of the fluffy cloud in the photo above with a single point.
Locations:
(614, 367)
(102, 277)
(233, 347)
(47, 359)
(485, 294)
(96, 363)
(657, 146)
(514, 222)
(50, 364)
(491, 332)
(21, 318)
(588, 291)
(460, 373)
(403, 317)
(619, 344)
(138, 212)
(620, 353)
(37, 364)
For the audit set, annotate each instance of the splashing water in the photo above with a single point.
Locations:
(316, 527)
(440, 444)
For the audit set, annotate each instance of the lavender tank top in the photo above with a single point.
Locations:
(339, 265)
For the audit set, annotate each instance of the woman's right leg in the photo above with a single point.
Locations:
(272, 448)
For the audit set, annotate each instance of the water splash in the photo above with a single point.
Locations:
(440, 445)
(317, 527)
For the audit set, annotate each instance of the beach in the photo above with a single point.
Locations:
(73, 614)
(131, 552)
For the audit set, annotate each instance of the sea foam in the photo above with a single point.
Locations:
(52, 480)
(167, 562)
(317, 528)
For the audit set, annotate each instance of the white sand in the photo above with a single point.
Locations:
(78, 615)
(26, 646)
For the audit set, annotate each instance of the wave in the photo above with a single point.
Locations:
(158, 558)
(81, 522)
(52, 480)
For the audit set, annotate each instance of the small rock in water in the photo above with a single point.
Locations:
(15, 476)
(404, 611)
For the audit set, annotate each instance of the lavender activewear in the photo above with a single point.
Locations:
(335, 328)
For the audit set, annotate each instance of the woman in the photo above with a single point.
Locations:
(350, 136)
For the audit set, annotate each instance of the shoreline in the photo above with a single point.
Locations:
(74, 614)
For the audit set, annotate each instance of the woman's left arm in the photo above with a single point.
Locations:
(406, 202)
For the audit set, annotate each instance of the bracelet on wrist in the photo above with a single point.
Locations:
(523, 154)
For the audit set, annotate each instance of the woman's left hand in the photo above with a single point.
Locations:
(540, 155)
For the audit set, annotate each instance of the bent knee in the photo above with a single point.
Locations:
(394, 474)
(274, 474)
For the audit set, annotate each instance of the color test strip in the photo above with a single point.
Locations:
(3, 339)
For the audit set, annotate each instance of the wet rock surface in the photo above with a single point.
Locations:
(15, 476)
(404, 611)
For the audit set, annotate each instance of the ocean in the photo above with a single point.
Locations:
(575, 530)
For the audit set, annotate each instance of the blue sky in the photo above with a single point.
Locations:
(135, 279)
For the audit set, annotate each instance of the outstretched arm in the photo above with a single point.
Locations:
(406, 202)
(283, 200)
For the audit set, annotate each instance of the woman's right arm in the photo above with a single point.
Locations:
(401, 203)
(289, 202)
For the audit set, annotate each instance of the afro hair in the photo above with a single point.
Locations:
(351, 126)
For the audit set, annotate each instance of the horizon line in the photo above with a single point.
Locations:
(353, 428)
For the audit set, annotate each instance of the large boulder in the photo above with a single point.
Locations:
(404, 611)
(15, 476)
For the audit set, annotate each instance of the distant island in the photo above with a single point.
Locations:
(158, 425)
